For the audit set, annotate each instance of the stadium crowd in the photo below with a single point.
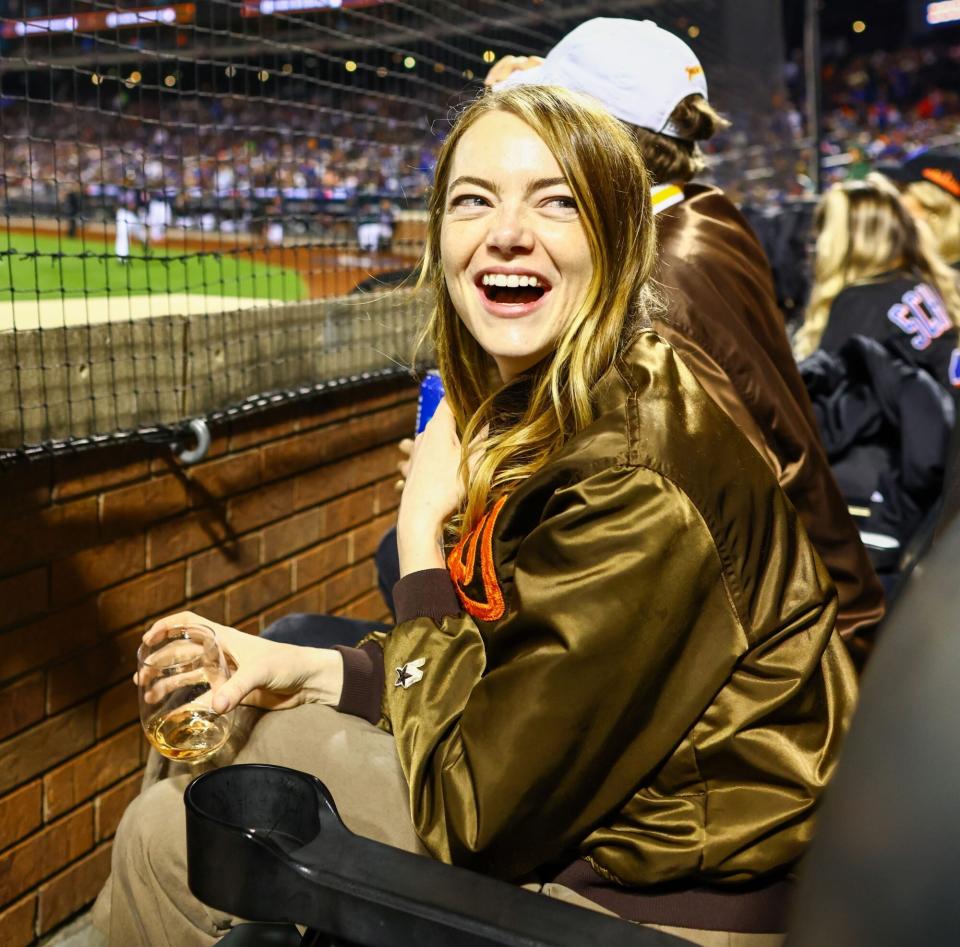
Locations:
(877, 109)
(241, 154)
(235, 154)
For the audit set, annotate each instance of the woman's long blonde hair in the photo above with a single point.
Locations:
(612, 190)
(863, 231)
(941, 213)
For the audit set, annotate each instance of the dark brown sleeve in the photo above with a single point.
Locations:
(363, 681)
(426, 594)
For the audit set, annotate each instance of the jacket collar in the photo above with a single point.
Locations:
(664, 196)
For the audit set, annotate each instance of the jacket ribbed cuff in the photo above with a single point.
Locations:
(425, 594)
(363, 680)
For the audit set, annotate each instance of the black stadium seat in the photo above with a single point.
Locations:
(266, 843)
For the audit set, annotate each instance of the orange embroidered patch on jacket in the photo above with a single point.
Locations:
(461, 570)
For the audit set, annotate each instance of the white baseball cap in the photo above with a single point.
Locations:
(639, 71)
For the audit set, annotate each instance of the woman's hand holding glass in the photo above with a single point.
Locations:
(203, 670)
(176, 674)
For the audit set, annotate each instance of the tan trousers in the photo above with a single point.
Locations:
(146, 900)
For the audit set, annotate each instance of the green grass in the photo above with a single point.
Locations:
(50, 276)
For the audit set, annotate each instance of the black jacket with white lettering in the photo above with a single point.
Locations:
(905, 314)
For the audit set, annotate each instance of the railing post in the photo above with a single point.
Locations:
(814, 104)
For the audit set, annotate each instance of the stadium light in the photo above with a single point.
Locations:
(382, 72)
(96, 79)
(489, 55)
(287, 68)
(409, 62)
(859, 26)
(135, 77)
(230, 71)
(272, 7)
(693, 31)
(350, 66)
(263, 75)
(169, 81)
(439, 67)
(92, 22)
(943, 11)
(467, 73)
(118, 18)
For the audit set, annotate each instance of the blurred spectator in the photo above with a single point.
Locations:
(129, 226)
(878, 275)
(375, 227)
(931, 193)
(274, 215)
(73, 213)
(158, 217)
(881, 336)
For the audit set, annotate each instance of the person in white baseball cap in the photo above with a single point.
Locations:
(720, 310)
(647, 71)
(644, 75)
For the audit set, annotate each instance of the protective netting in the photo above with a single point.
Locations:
(191, 191)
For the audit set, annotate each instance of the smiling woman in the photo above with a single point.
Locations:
(522, 194)
(505, 227)
(615, 674)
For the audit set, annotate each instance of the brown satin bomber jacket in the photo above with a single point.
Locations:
(721, 315)
(632, 660)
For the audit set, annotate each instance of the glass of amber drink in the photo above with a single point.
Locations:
(176, 676)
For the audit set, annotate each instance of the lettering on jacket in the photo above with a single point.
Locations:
(462, 568)
(921, 314)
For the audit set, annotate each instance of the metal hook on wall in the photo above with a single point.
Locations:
(193, 455)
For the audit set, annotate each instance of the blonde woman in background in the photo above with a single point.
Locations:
(931, 193)
(941, 211)
(878, 274)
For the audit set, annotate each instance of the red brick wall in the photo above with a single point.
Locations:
(284, 515)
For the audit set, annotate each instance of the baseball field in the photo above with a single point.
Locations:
(47, 280)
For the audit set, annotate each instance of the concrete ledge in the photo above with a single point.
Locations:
(97, 375)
